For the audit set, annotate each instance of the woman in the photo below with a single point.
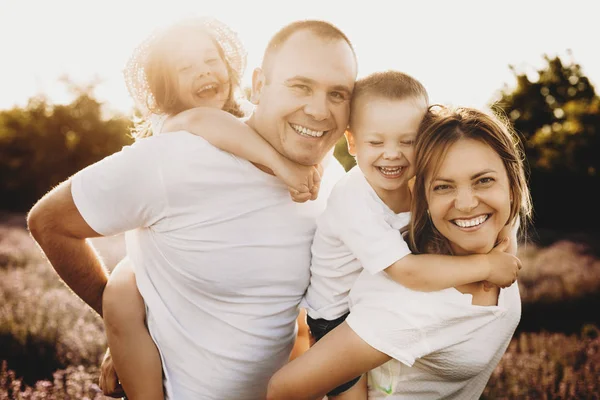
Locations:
(470, 190)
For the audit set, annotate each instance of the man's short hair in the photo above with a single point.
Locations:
(321, 29)
(392, 85)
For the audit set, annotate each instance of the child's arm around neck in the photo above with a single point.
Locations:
(231, 134)
(433, 272)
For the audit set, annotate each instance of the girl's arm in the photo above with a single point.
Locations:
(228, 133)
(337, 358)
(431, 272)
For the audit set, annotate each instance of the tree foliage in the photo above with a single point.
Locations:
(557, 113)
(42, 144)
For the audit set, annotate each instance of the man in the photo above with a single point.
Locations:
(222, 254)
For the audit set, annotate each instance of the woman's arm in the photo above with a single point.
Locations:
(337, 358)
(228, 133)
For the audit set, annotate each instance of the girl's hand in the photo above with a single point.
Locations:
(303, 181)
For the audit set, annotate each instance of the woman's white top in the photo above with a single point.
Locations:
(443, 346)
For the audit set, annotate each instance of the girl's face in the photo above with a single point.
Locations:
(469, 198)
(202, 76)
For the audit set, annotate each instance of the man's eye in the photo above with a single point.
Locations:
(338, 95)
(303, 88)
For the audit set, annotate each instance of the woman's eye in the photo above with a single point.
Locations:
(375, 143)
(486, 180)
(212, 61)
(408, 142)
(438, 188)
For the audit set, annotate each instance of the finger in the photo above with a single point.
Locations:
(502, 245)
(317, 174)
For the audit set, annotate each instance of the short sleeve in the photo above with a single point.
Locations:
(123, 191)
(367, 234)
(392, 332)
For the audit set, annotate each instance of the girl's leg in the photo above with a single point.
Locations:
(134, 353)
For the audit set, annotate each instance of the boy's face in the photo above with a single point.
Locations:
(382, 139)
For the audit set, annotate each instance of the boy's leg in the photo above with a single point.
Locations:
(321, 327)
(134, 353)
(357, 392)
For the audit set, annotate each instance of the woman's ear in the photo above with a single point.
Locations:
(350, 141)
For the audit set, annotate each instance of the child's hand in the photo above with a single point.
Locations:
(504, 267)
(109, 381)
(303, 181)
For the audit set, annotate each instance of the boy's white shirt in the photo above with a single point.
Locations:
(221, 256)
(357, 230)
(442, 346)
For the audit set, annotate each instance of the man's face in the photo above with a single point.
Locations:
(303, 97)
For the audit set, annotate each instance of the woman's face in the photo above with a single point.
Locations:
(469, 198)
(202, 76)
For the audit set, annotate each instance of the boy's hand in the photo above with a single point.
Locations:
(109, 381)
(504, 267)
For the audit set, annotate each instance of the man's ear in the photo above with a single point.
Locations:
(350, 140)
(258, 82)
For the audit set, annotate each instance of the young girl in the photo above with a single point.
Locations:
(445, 343)
(194, 63)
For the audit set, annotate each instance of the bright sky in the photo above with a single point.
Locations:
(460, 49)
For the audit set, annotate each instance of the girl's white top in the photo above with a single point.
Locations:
(443, 346)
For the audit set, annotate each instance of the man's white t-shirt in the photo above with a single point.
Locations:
(221, 256)
(357, 230)
(442, 346)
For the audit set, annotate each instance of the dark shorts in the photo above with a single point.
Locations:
(318, 329)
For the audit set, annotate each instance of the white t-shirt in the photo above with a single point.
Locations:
(357, 230)
(221, 256)
(443, 346)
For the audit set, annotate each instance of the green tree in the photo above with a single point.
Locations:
(557, 114)
(42, 144)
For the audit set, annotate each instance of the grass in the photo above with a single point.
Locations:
(51, 343)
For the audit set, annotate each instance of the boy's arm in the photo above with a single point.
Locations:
(431, 272)
(228, 133)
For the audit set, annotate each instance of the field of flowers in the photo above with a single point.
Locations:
(51, 343)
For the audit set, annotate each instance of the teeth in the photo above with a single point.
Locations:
(467, 223)
(307, 132)
(210, 86)
(390, 170)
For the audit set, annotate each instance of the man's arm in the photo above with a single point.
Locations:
(60, 231)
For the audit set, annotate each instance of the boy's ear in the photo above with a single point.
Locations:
(350, 141)
(258, 82)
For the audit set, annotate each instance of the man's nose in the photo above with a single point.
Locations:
(317, 107)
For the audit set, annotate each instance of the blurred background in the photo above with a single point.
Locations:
(64, 105)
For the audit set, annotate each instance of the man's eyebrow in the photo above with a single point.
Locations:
(474, 176)
(308, 81)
